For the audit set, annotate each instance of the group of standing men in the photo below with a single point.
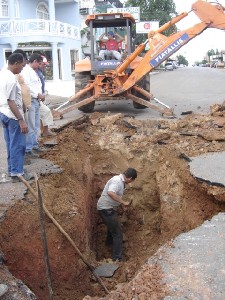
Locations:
(21, 108)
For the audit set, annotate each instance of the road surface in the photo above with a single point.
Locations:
(191, 88)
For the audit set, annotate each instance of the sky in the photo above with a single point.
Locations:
(196, 49)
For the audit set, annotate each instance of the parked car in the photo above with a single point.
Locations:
(169, 66)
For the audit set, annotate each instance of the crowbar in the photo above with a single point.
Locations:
(44, 238)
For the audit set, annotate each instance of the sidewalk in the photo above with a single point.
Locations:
(60, 89)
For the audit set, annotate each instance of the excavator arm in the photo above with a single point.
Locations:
(162, 47)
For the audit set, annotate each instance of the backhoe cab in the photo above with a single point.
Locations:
(103, 23)
(129, 79)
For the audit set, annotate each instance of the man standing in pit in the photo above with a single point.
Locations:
(110, 200)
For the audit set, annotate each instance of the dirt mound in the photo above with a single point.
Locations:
(167, 200)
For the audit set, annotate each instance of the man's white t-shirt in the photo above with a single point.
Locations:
(116, 185)
(9, 89)
(32, 80)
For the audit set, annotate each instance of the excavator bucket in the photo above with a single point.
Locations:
(210, 14)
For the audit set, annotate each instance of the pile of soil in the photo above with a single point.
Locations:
(166, 201)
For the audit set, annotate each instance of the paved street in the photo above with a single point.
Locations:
(186, 89)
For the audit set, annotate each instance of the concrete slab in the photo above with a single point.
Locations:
(209, 167)
(194, 267)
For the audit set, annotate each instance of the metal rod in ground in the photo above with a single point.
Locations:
(44, 238)
(91, 268)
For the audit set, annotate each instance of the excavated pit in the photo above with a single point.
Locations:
(166, 201)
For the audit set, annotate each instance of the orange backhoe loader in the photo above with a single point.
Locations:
(97, 79)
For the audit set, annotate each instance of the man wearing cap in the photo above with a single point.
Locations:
(111, 45)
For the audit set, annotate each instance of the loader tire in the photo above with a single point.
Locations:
(145, 84)
(81, 80)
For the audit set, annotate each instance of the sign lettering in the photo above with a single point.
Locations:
(169, 50)
(135, 11)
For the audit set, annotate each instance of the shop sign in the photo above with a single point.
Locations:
(84, 11)
(145, 27)
(135, 11)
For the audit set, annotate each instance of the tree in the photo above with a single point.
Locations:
(182, 60)
(155, 10)
(210, 53)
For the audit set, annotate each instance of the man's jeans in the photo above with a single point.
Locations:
(110, 218)
(15, 144)
(33, 122)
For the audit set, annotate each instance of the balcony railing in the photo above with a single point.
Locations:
(38, 27)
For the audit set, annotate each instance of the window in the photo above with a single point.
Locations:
(42, 11)
(4, 9)
(74, 57)
(17, 10)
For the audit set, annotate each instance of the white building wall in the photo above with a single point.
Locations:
(32, 32)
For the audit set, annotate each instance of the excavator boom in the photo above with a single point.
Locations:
(162, 47)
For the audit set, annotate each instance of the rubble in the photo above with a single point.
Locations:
(167, 201)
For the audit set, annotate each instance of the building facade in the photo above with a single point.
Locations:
(50, 27)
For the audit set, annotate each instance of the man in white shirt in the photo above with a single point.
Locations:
(33, 117)
(12, 116)
(45, 112)
(110, 200)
